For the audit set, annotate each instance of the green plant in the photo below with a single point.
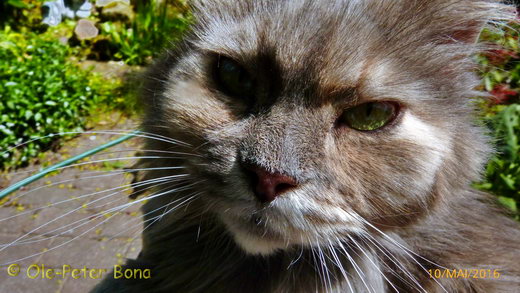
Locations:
(152, 30)
(503, 170)
(21, 13)
(42, 92)
(17, 3)
(500, 70)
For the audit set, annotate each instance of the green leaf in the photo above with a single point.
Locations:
(17, 3)
(28, 114)
(508, 202)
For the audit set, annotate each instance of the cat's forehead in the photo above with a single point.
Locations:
(339, 43)
(404, 46)
(297, 35)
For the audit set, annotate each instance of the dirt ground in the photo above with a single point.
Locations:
(68, 219)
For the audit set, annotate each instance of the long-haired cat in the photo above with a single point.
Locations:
(325, 146)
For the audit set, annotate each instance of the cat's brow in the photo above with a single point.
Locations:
(338, 93)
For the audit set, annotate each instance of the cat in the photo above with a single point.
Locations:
(325, 146)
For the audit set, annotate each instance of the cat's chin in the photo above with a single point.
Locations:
(253, 239)
(254, 245)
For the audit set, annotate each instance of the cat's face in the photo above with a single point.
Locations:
(313, 119)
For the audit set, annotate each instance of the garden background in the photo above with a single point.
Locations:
(67, 71)
(74, 67)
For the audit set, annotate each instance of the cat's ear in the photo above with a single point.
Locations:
(469, 33)
(443, 22)
(463, 20)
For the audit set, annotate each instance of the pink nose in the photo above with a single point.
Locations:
(267, 186)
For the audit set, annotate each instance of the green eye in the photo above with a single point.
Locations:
(234, 79)
(369, 116)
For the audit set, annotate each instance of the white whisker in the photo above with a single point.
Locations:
(406, 251)
(372, 262)
(152, 136)
(111, 173)
(74, 210)
(396, 262)
(357, 269)
(122, 187)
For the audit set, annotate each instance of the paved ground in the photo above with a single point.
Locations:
(62, 220)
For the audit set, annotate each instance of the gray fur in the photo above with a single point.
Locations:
(374, 210)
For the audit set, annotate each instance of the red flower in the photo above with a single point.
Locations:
(502, 93)
(500, 56)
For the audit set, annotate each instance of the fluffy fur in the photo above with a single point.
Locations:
(373, 211)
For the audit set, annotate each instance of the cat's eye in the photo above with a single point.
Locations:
(234, 79)
(369, 116)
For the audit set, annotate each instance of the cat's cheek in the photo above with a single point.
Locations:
(191, 107)
(433, 144)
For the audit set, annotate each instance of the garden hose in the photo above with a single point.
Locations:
(42, 173)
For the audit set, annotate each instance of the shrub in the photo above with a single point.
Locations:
(155, 27)
(502, 175)
(500, 70)
(21, 13)
(41, 92)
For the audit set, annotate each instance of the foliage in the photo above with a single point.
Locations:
(503, 170)
(152, 30)
(500, 69)
(42, 92)
(135, 39)
(21, 13)
(16, 3)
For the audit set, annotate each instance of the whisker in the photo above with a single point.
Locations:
(357, 269)
(372, 262)
(154, 219)
(96, 161)
(404, 247)
(294, 261)
(91, 218)
(88, 219)
(149, 151)
(68, 213)
(324, 267)
(340, 266)
(159, 217)
(123, 187)
(315, 266)
(136, 133)
(406, 251)
(395, 261)
(55, 247)
(122, 207)
(112, 173)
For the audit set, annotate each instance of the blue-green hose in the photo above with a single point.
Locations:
(42, 173)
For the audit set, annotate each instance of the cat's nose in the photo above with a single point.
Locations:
(268, 185)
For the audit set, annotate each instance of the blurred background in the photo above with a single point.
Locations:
(74, 66)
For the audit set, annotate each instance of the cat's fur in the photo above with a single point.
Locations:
(373, 210)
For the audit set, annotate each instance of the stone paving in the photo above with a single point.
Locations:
(63, 218)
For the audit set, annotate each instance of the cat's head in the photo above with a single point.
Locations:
(311, 120)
